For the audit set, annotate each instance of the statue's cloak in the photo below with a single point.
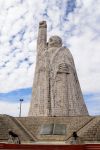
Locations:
(66, 95)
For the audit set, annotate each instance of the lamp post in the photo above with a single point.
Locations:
(21, 100)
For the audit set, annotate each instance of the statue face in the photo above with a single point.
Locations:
(55, 41)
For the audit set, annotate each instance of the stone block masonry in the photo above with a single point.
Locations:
(56, 89)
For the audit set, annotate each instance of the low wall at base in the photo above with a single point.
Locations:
(50, 147)
(40, 147)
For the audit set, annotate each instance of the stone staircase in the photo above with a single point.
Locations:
(91, 132)
(28, 128)
(88, 133)
(3, 129)
(8, 122)
(30, 123)
(76, 123)
(33, 124)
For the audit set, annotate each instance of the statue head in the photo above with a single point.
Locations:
(54, 41)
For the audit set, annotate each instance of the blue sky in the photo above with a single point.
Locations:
(78, 24)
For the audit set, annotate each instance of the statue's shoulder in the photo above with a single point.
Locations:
(60, 53)
(64, 50)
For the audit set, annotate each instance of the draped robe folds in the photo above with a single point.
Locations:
(66, 95)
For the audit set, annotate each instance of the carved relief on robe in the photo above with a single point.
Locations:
(60, 91)
(60, 72)
(65, 88)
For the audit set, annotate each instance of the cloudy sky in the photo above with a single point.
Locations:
(78, 24)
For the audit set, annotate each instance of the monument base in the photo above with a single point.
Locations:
(51, 130)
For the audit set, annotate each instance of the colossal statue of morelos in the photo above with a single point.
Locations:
(56, 89)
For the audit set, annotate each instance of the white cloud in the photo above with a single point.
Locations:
(85, 46)
(13, 108)
(80, 29)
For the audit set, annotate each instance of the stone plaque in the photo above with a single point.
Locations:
(59, 129)
(46, 129)
(53, 129)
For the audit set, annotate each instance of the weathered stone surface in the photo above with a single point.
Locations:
(46, 129)
(8, 122)
(59, 129)
(87, 128)
(56, 89)
(53, 129)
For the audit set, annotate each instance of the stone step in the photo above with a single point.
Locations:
(33, 124)
(8, 122)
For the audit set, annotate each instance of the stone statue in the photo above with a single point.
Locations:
(56, 89)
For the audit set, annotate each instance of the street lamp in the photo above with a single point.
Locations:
(21, 100)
